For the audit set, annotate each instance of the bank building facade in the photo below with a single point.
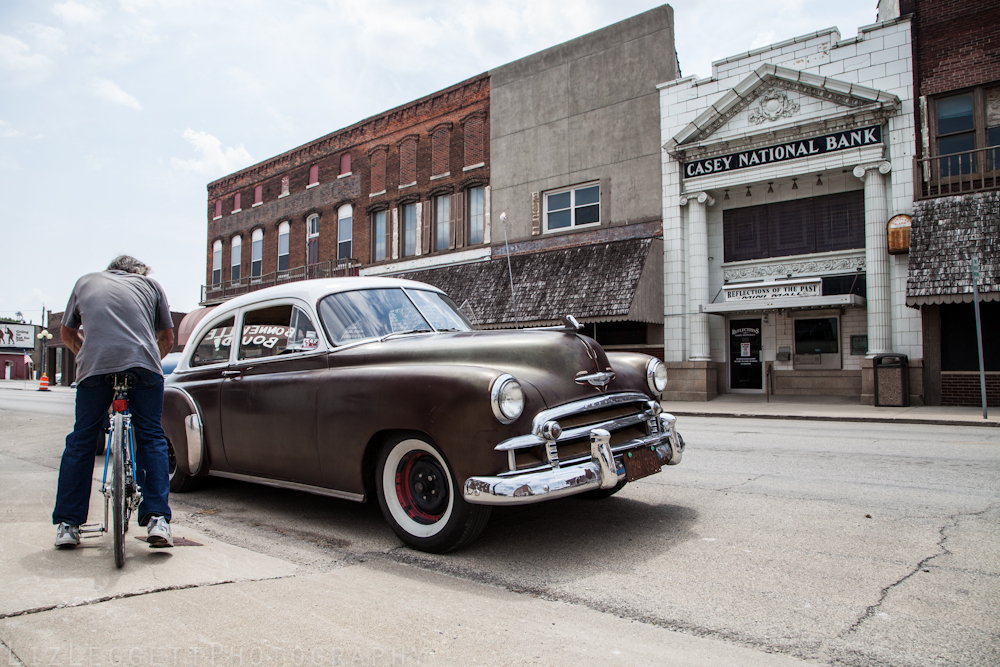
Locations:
(783, 173)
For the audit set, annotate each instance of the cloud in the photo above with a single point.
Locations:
(763, 39)
(215, 160)
(75, 12)
(16, 56)
(108, 90)
(8, 132)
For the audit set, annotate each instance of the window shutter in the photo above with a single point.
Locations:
(426, 231)
(458, 218)
(536, 214)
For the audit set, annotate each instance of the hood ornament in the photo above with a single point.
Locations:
(599, 380)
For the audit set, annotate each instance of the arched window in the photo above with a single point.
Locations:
(407, 162)
(313, 175)
(474, 130)
(236, 259)
(312, 239)
(256, 252)
(439, 151)
(283, 246)
(217, 262)
(345, 223)
(377, 159)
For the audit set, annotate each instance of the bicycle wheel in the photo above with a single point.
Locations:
(118, 500)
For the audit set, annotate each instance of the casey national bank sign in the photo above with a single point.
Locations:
(830, 143)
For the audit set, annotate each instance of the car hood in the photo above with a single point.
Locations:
(550, 361)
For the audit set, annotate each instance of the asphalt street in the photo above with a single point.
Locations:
(774, 542)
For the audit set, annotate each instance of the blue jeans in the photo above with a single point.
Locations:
(93, 398)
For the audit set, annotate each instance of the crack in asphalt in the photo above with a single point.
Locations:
(871, 610)
(736, 486)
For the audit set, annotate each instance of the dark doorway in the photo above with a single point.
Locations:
(744, 354)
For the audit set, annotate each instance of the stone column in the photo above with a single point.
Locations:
(877, 256)
(699, 345)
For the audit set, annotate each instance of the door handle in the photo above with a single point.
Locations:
(227, 374)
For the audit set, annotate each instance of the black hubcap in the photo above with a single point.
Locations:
(429, 488)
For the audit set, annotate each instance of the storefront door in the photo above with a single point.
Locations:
(744, 354)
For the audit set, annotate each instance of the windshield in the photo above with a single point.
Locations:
(350, 317)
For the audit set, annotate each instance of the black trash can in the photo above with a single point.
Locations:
(892, 387)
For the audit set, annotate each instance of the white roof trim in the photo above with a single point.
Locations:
(786, 303)
(757, 81)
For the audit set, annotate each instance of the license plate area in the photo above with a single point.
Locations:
(640, 462)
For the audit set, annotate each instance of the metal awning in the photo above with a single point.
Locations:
(934, 299)
(787, 303)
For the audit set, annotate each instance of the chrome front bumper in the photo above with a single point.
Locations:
(602, 471)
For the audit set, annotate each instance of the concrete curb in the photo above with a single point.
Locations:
(830, 418)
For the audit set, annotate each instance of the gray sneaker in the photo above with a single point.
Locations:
(67, 535)
(158, 533)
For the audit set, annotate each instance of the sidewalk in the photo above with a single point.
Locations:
(829, 408)
(31, 385)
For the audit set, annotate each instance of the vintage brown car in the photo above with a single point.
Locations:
(354, 387)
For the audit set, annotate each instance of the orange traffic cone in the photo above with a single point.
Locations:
(44, 384)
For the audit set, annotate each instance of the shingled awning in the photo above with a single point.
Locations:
(947, 233)
(605, 282)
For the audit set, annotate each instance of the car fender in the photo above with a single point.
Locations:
(182, 424)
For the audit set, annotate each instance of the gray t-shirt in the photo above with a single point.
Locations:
(121, 314)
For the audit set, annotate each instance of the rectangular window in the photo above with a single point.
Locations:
(235, 259)
(965, 127)
(575, 207)
(442, 222)
(256, 253)
(258, 195)
(312, 240)
(236, 203)
(218, 208)
(477, 215)
(314, 175)
(797, 227)
(217, 262)
(345, 164)
(407, 162)
(345, 232)
(409, 230)
(817, 336)
(380, 238)
(283, 229)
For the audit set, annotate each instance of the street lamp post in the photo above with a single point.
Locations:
(45, 337)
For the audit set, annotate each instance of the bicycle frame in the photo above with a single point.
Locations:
(119, 407)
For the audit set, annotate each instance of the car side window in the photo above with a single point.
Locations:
(268, 332)
(213, 348)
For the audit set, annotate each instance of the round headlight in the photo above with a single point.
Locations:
(656, 376)
(507, 399)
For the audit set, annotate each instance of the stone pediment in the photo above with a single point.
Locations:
(773, 94)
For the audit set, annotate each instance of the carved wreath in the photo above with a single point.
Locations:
(773, 105)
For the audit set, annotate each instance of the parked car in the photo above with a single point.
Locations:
(376, 387)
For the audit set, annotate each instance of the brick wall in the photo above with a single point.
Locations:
(956, 44)
(375, 145)
(962, 388)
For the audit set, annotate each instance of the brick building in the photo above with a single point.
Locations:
(565, 142)
(410, 182)
(956, 215)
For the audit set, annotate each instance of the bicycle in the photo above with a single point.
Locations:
(123, 493)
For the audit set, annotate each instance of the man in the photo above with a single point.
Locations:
(127, 327)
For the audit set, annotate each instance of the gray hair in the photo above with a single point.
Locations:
(129, 265)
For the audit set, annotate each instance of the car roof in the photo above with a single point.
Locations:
(311, 291)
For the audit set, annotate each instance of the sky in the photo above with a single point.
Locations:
(116, 114)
